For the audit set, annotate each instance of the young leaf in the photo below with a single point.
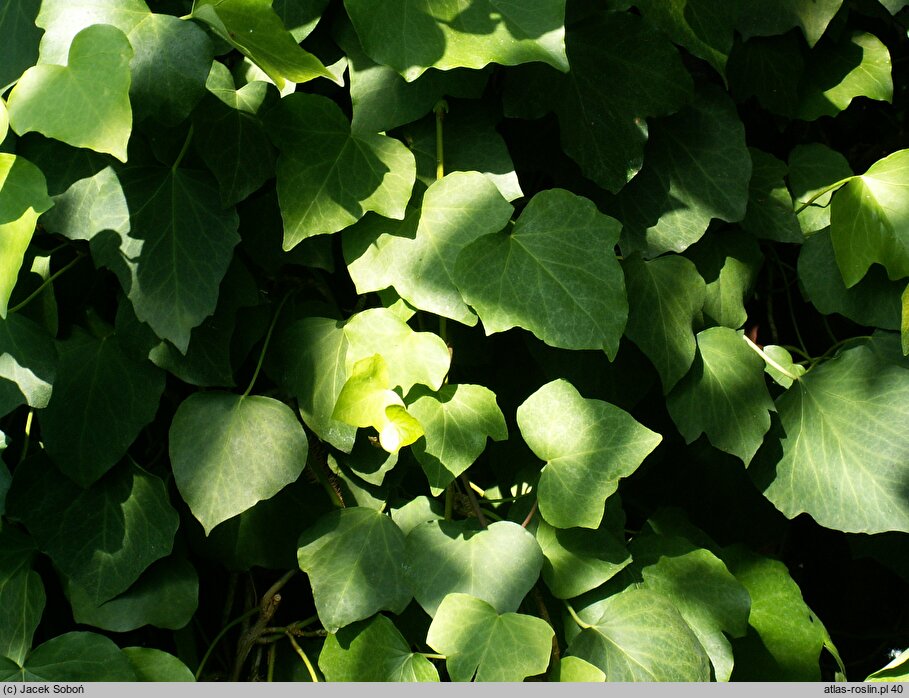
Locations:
(230, 451)
(63, 102)
(154, 665)
(480, 644)
(21, 594)
(498, 565)
(373, 650)
(362, 552)
(71, 658)
(554, 274)
(588, 446)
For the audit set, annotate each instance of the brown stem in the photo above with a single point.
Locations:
(268, 606)
(533, 510)
(473, 501)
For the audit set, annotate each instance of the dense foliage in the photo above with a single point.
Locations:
(454, 339)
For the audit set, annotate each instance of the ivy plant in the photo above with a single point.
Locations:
(373, 340)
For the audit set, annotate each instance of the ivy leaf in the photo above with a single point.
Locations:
(769, 17)
(28, 364)
(62, 20)
(706, 594)
(457, 421)
(868, 220)
(90, 205)
(418, 256)
(813, 167)
(783, 359)
(100, 538)
(769, 69)
(101, 401)
(896, 670)
(770, 212)
(329, 177)
(554, 274)
(63, 102)
(665, 298)
(18, 40)
(253, 28)
(640, 636)
(23, 197)
(489, 31)
(361, 551)
(71, 658)
(588, 446)
(698, 168)
(180, 243)
(857, 65)
(150, 664)
(723, 395)
(576, 670)
(482, 645)
(373, 650)
(230, 451)
(498, 565)
(21, 595)
(842, 423)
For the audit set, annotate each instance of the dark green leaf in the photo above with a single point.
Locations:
(769, 69)
(769, 17)
(154, 665)
(770, 212)
(28, 364)
(71, 658)
(812, 168)
(21, 595)
(18, 39)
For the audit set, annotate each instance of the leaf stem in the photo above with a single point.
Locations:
(576, 617)
(271, 328)
(430, 655)
(28, 434)
(440, 110)
(533, 510)
(299, 650)
(823, 191)
(236, 621)
(47, 282)
(770, 362)
(270, 676)
(473, 501)
(189, 138)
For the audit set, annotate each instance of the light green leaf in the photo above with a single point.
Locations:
(770, 212)
(151, 664)
(896, 670)
(576, 670)
(89, 206)
(813, 167)
(172, 261)
(723, 395)
(555, 274)
(101, 401)
(769, 17)
(498, 565)
(482, 645)
(417, 257)
(869, 220)
(894, 6)
(706, 594)
(64, 19)
(4, 120)
(362, 552)
(329, 177)
(21, 594)
(230, 451)
(457, 421)
(448, 35)
(783, 359)
(254, 29)
(857, 65)
(169, 68)
(63, 102)
(300, 16)
(698, 168)
(23, 197)
(904, 321)
(665, 298)
(165, 596)
(28, 364)
(18, 39)
(101, 538)
(71, 658)
(373, 650)
(418, 510)
(843, 423)
(640, 636)
(588, 446)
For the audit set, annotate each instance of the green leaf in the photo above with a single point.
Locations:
(783, 359)
(770, 212)
(169, 68)
(896, 670)
(373, 650)
(254, 29)
(23, 197)
(63, 102)
(576, 670)
(498, 565)
(417, 257)
(555, 274)
(482, 645)
(21, 595)
(769, 69)
(101, 401)
(300, 16)
(769, 17)
(180, 244)
(868, 220)
(457, 421)
(698, 168)
(857, 65)
(418, 510)
(813, 167)
(165, 596)
(665, 298)
(91, 205)
(18, 39)
(904, 322)
(101, 538)
(706, 594)
(588, 446)
(894, 6)
(71, 658)
(640, 636)
(62, 20)
(329, 177)
(28, 364)
(362, 552)
(230, 451)
(723, 395)
(843, 427)
(4, 120)
(452, 36)
(151, 664)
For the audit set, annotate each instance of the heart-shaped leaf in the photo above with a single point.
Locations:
(71, 658)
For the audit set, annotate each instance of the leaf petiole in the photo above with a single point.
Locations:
(770, 361)
(576, 617)
(823, 191)
(47, 282)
